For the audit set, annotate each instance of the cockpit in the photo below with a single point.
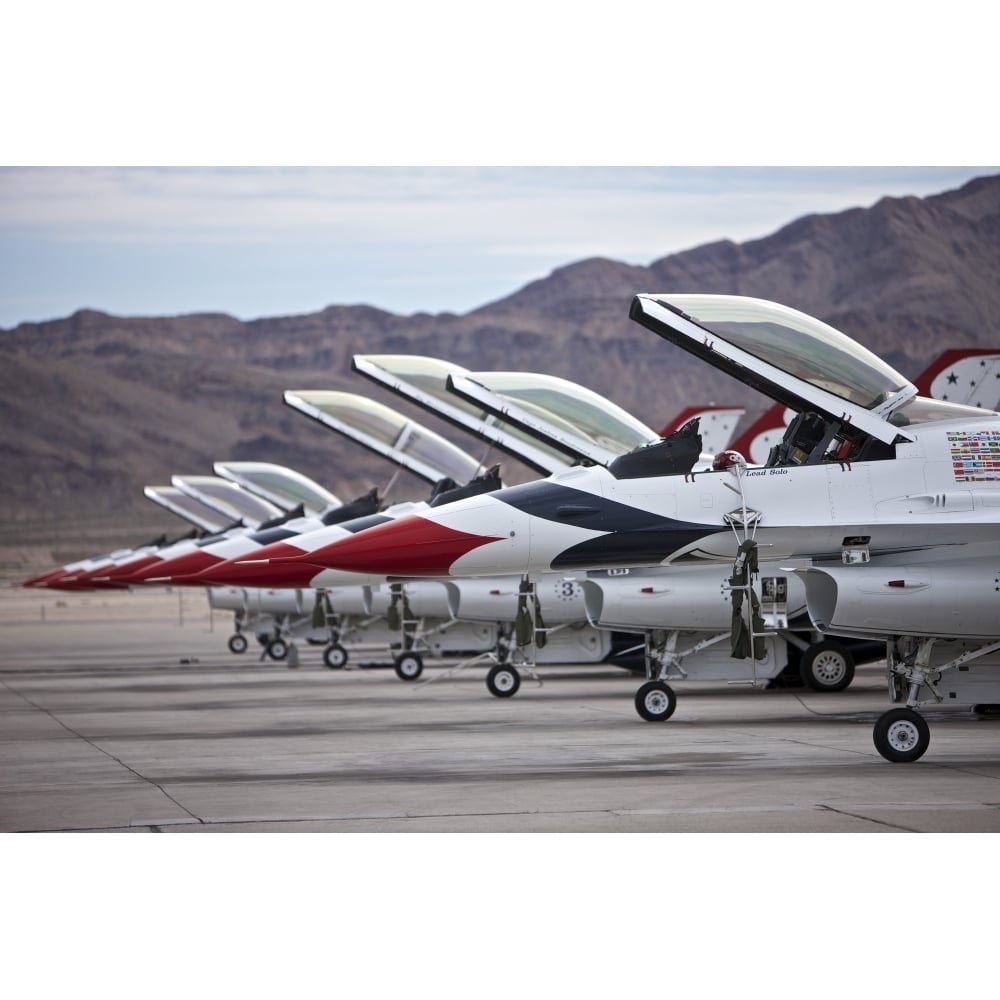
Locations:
(811, 439)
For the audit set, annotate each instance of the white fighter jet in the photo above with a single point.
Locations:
(434, 622)
(685, 618)
(892, 500)
(568, 424)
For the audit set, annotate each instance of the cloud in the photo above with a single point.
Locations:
(255, 240)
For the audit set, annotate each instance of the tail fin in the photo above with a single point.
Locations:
(717, 424)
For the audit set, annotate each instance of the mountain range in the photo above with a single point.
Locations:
(96, 406)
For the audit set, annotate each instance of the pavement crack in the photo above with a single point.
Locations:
(868, 819)
(128, 767)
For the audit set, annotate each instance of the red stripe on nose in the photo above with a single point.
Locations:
(170, 570)
(275, 565)
(46, 578)
(133, 571)
(410, 546)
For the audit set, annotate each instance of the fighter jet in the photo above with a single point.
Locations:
(567, 424)
(430, 617)
(80, 574)
(892, 498)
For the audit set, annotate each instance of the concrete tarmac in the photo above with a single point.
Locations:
(126, 712)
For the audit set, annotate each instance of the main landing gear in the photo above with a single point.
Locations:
(901, 735)
(927, 670)
(827, 666)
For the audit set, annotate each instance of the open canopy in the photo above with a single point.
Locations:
(189, 508)
(424, 381)
(785, 354)
(231, 500)
(565, 415)
(386, 432)
(282, 486)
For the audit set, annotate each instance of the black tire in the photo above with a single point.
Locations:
(503, 681)
(277, 649)
(827, 666)
(237, 643)
(409, 666)
(901, 735)
(655, 701)
(335, 657)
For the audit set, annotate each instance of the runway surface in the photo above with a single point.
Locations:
(126, 712)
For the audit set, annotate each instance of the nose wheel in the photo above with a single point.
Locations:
(655, 701)
(335, 657)
(901, 735)
(409, 666)
(277, 649)
(503, 681)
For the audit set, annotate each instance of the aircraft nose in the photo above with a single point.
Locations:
(172, 570)
(409, 546)
(276, 565)
(45, 579)
(50, 579)
(132, 572)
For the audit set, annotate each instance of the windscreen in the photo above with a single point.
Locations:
(570, 406)
(392, 430)
(795, 343)
(284, 486)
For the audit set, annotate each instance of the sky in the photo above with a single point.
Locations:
(210, 156)
(275, 241)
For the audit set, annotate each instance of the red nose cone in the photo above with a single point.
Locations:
(410, 546)
(89, 583)
(169, 570)
(132, 571)
(46, 579)
(275, 565)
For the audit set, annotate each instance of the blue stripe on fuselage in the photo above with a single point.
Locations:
(634, 537)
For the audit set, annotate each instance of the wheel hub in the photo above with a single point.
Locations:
(657, 702)
(829, 667)
(902, 736)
